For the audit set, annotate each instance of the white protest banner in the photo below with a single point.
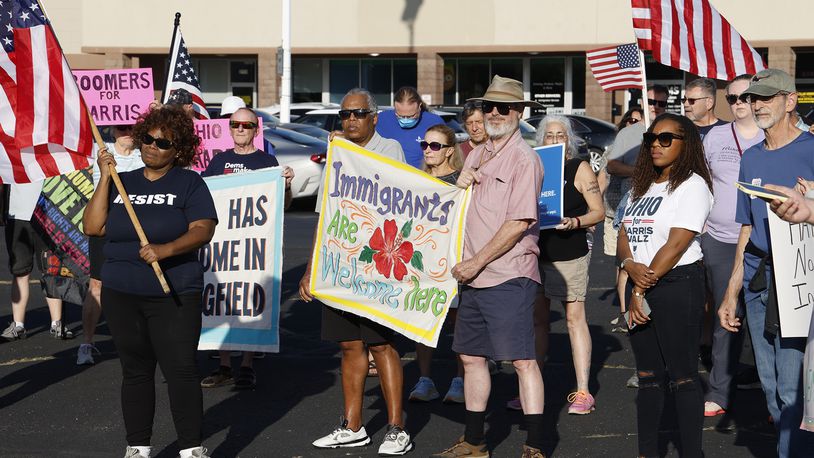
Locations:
(793, 267)
(387, 240)
(116, 97)
(243, 263)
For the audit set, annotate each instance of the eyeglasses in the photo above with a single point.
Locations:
(752, 98)
(557, 136)
(244, 124)
(161, 143)
(358, 113)
(733, 98)
(665, 138)
(692, 100)
(657, 103)
(502, 108)
(435, 146)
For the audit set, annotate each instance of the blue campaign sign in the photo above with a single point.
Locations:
(550, 200)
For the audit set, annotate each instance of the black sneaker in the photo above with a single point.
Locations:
(246, 379)
(221, 377)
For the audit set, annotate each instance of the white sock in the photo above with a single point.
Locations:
(20, 324)
(187, 452)
(143, 450)
(54, 323)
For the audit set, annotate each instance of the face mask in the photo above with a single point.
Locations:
(407, 123)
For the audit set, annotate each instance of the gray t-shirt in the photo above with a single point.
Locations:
(625, 148)
(378, 144)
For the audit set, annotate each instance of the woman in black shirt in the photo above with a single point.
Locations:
(178, 216)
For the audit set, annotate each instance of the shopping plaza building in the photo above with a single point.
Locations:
(448, 49)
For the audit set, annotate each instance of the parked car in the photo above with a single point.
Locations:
(305, 154)
(328, 119)
(596, 135)
(299, 109)
(313, 131)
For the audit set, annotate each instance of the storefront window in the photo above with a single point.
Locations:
(306, 80)
(804, 74)
(404, 74)
(548, 83)
(473, 78)
(578, 83)
(507, 68)
(344, 77)
(376, 78)
(450, 81)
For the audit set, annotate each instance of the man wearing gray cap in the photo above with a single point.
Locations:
(785, 154)
(499, 273)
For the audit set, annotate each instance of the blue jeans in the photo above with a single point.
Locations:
(780, 367)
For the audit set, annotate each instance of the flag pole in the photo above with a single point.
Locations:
(114, 175)
(166, 91)
(645, 103)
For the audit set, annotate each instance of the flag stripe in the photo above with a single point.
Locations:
(692, 36)
(40, 89)
(25, 105)
(56, 107)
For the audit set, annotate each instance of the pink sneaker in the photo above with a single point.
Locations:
(582, 403)
(514, 404)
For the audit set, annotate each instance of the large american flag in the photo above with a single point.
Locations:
(691, 35)
(616, 67)
(44, 126)
(181, 75)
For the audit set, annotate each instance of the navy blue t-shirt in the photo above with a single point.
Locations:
(230, 162)
(165, 208)
(388, 127)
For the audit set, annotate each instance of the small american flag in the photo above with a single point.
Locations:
(44, 125)
(181, 75)
(692, 36)
(616, 67)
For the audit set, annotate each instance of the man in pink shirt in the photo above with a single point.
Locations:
(499, 270)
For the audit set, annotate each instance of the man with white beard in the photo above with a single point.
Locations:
(499, 273)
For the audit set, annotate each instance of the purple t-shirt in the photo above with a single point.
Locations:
(724, 161)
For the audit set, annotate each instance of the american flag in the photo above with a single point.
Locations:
(692, 36)
(181, 75)
(44, 125)
(616, 67)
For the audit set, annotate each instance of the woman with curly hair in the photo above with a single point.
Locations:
(178, 215)
(670, 199)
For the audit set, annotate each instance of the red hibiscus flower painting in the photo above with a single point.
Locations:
(390, 252)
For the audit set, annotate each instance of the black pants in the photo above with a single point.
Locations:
(666, 351)
(165, 330)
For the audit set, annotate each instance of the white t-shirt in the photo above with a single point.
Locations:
(123, 163)
(22, 200)
(648, 220)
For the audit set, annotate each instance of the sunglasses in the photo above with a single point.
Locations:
(632, 121)
(359, 113)
(502, 108)
(435, 146)
(733, 98)
(752, 98)
(244, 124)
(665, 138)
(692, 100)
(161, 143)
(657, 103)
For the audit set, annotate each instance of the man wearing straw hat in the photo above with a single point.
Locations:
(499, 273)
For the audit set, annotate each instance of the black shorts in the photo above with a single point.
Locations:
(96, 246)
(339, 326)
(497, 321)
(23, 245)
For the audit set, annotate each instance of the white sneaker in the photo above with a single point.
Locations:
(85, 354)
(342, 437)
(424, 390)
(132, 452)
(455, 395)
(396, 442)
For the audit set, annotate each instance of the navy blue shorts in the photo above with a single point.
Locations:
(497, 322)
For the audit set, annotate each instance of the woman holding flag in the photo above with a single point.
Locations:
(148, 327)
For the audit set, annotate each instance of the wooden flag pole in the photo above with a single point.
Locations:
(116, 180)
(131, 212)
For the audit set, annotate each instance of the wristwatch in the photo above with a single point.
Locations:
(624, 261)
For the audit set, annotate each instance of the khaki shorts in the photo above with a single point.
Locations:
(609, 237)
(566, 281)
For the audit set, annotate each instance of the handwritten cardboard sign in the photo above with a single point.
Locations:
(243, 263)
(116, 97)
(215, 139)
(387, 240)
(793, 266)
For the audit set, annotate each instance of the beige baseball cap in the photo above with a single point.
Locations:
(769, 82)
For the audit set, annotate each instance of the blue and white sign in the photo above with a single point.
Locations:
(243, 263)
(550, 200)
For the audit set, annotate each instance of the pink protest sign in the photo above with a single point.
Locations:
(116, 97)
(215, 139)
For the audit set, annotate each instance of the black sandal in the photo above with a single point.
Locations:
(246, 379)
